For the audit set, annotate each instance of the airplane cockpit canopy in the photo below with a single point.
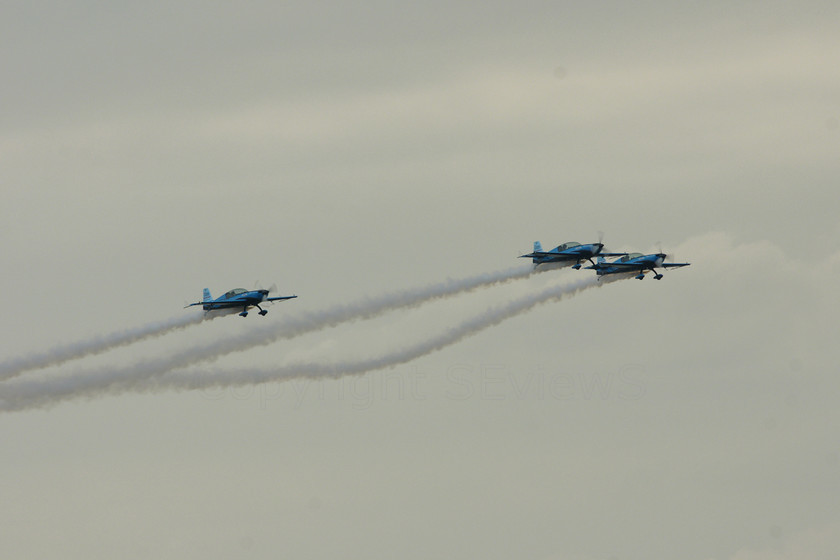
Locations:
(630, 257)
(235, 292)
(568, 245)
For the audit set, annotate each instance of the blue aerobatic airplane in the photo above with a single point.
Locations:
(567, 253)
(635, 262)
(237, 298)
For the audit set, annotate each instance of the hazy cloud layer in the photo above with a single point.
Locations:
(348, 151)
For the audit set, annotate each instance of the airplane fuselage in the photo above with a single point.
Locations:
(635, 263)
(568, 254)
(638, 264)
(238, 299)
(243, 300)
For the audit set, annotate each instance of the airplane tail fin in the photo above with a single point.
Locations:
(537, 247)
(207, 298)
(597, 266)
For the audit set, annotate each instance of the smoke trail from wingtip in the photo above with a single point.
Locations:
(56, 355)
(98, 380)
(260, 336)
(490, 318)
(27, 397)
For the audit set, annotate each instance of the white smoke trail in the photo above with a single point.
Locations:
(261, 336)
(49, 393)
(59, 354)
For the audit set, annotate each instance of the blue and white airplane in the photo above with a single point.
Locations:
(237, 298)
(635, 262)
(567, 253)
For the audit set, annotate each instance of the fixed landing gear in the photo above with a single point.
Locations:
(576, 266)
(245, 311)
(656, 275)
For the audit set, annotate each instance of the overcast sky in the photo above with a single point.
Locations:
(346, 150)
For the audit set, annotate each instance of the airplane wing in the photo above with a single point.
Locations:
(628, 266)
(280, 298)
(674, 265)
(543, 255)
(611, 254)
(197, 303)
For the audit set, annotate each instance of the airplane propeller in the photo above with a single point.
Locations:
(600, 240)
(662, 254)
(271, 289)
(666, 257)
